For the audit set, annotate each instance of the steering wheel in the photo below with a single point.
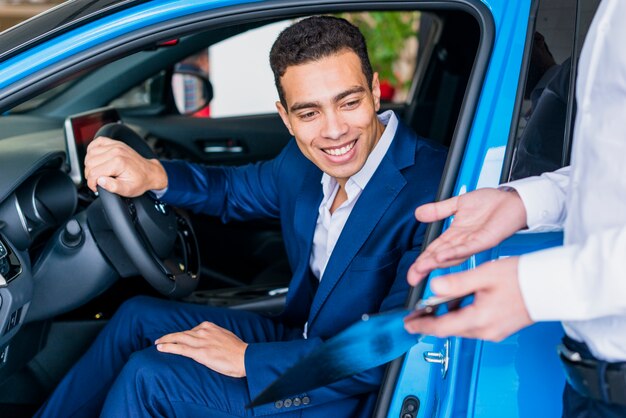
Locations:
(158, 240)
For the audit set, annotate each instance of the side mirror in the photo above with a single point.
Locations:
(192, 91)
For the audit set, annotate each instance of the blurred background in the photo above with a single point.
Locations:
(13, 12)
(392, 52)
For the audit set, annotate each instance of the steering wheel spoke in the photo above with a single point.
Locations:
(132, 211)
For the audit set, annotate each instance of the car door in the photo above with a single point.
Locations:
(520, 376)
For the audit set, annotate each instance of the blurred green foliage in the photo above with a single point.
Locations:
(386, 34)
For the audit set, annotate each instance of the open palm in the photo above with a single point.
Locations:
(482, 219)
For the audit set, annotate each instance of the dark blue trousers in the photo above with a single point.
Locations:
(576, 405)
(123, 375)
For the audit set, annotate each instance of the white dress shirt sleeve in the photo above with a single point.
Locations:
(588, 276)
(544, 199)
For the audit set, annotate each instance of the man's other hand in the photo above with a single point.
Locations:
(498, 309)
(210, 345)
(482, 219)
(119, 169)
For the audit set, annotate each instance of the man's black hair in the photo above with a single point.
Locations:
(312, 39)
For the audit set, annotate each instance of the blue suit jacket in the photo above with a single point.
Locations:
(366, 272)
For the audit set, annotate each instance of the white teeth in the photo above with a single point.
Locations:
(340, 151)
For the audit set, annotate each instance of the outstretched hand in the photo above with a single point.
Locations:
(482, 219)
(208, 344)
(498, 309)
(119, 169)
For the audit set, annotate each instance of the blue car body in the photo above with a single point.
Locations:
(518, 377)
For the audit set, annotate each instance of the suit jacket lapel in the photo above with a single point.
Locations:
(305, 216)
(374, 201)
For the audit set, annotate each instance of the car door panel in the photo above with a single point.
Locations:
(486, 379)
(231, 141)
(508, 374)
(520, 376)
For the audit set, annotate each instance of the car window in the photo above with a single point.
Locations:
(235, 69)
(543, 133)
(541, 125)
(148, 93)
(242, 80)
(392, 51)
(42, 98)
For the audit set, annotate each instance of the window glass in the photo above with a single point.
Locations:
(236, 69)
(392, 43)
(542, 135)
(541, 130)
(242, 82)
(35, 102)
(148, 93)
(240, 73)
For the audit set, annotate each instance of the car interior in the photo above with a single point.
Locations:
(67, 265)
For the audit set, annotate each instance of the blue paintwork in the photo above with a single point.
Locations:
(519, 377)
(101, 31)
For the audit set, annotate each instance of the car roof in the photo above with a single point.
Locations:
(57, 20)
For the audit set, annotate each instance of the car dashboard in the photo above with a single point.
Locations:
(29, 206)
(49, 260)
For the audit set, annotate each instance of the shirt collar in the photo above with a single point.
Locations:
(360, 179)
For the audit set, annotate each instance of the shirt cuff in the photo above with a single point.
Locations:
(158, 193)
(543, 203)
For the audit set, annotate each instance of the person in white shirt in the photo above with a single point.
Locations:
(581, 283)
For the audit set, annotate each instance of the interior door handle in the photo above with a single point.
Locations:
(222, 149)
(223, 146)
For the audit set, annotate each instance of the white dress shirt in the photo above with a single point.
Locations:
(329, 226)
(583, 283)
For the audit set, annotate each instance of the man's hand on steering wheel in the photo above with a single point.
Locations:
(119, 169)
(159, 241)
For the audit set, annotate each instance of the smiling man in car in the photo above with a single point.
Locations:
(344, 191)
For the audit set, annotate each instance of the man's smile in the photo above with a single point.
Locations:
(341, 150)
